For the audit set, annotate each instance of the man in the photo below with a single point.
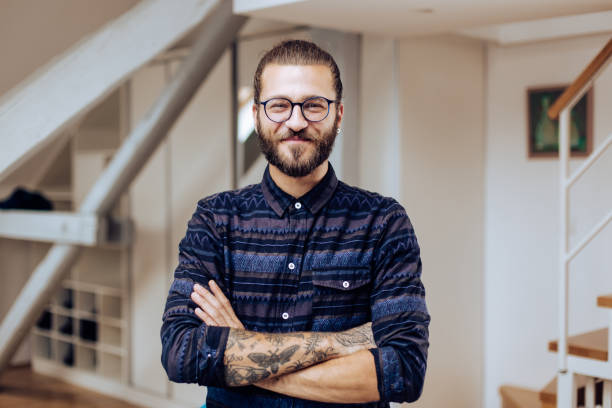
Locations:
(300, 291)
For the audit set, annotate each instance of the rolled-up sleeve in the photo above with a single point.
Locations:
(192, 352)
(400, 319)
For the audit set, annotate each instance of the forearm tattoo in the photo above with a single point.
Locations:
(360, 335)
(251, 356)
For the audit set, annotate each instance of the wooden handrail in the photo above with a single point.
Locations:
(591, 70)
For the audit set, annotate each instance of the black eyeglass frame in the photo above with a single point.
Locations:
(301, 105)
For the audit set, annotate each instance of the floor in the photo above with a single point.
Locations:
(21, 387)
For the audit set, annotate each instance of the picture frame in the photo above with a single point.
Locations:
(543, 133)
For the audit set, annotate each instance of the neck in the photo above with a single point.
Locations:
(298, 186)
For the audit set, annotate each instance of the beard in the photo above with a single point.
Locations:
(301, 163)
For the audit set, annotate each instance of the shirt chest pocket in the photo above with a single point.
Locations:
(340, 291)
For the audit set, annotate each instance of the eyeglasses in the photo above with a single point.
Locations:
(313, 109)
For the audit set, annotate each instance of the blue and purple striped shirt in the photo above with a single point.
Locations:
(331, 260)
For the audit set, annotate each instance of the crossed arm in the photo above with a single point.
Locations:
(320, 366)
(217, 354)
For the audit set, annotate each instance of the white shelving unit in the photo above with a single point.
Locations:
(85, 326)
(123, 290)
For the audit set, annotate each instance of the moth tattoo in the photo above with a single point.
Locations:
(273, 360)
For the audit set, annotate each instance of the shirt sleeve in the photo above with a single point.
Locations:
(192, 352)
(400, 319)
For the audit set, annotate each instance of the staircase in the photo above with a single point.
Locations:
(591, 346)
(88, 72)
(584, 377)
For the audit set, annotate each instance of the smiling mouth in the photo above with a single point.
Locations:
(295, 139)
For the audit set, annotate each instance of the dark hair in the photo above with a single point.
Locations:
(297, 52)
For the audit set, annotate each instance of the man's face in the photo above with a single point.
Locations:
(297, 146)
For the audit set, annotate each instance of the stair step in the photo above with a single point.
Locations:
(548, 394)
(592, 344)
(518, 397)
(604, 301)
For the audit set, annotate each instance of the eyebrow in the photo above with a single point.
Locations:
(303, 98)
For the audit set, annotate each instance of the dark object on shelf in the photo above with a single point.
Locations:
(44, 321)
(67, 298)
(89, 330)
(67, 327)
(69, 356)
(21, 199)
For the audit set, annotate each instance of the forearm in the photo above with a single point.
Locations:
(250, 356)
(350, 379)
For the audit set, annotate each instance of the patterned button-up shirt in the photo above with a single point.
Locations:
(330, 260)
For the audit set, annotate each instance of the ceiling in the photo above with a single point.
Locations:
(406, 18)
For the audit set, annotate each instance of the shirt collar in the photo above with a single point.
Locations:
(313, 200)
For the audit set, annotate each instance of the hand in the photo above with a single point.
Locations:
(214, 308)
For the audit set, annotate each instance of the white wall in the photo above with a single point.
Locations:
(522, 214)
(423, 143)
(442, 135)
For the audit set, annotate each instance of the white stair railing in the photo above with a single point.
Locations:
(607, 394)
(589, 393)
(566, 395)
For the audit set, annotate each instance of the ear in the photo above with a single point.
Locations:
(340, 113)
(255, 112)
(255, 109)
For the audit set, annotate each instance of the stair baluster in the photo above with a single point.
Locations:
(589, 393)
(607, 394)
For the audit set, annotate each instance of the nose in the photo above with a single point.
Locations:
(296, 121)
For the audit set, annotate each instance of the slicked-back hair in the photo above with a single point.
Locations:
(297, 52)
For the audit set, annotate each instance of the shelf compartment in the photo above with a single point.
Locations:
(111, 306)
(88, 330)
(65, 353)
(86, 358)
(64, 325)
(44, 321)
(87, 302)
(43, 346)
(64, 298)
(110, 335)
(110, 366)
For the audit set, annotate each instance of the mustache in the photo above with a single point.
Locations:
(300, 134)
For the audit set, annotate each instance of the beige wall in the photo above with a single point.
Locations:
(192, 163)
(32, 32)
(442, 187)
(522, 217)
(423, 143)
(380, 150)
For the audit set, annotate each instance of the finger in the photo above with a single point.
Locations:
(209, 310)
(196, 298)
(216, 304)
(204, 317)
(202, 291)
(216, 290)
(210, 305)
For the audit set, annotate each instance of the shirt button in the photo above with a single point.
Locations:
(291, 265)
(346, 284)
(298, 206)
(285, 315)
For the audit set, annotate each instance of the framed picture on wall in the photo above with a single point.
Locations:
(543, 133)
